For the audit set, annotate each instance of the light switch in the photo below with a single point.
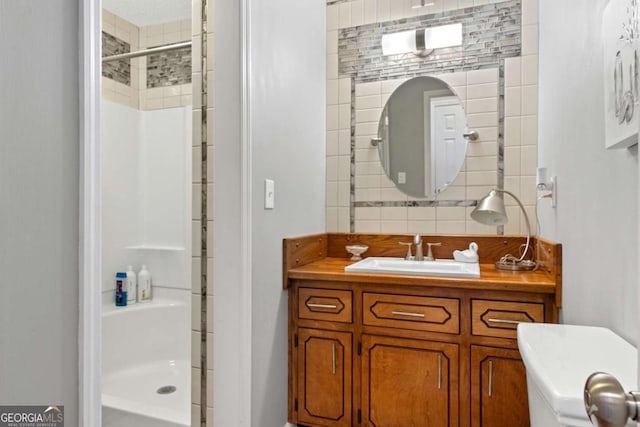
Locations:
(269, 194)
(402, 178)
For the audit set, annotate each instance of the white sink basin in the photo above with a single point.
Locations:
(442, 268)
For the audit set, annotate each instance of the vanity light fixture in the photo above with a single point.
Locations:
(491, 211)
(422, 42)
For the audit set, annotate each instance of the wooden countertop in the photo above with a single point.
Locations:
(332, 269)
(323, 257)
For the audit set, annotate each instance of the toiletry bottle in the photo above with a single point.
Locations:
(132, 286)
(121, 286)
(144, 285)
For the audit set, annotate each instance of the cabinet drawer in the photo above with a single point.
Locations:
(500, 318)
(325, 304)
(412, 312)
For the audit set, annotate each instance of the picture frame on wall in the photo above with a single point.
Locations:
(620, 34)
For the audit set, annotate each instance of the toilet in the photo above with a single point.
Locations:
(558, 360)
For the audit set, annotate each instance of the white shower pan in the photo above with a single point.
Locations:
(146, 368)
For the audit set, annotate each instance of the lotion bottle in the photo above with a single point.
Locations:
(144, 285)
(132, 286)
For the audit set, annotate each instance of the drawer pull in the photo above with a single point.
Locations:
(330, 306)
(490, 378)
(510, 322)
(439, 371)
(333, 357)
(407, 314)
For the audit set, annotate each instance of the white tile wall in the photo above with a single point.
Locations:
(371, 182)
(478, 90)
(137, 95)
(125, 31)
(338, 153)
(166, 33)
(521, 130)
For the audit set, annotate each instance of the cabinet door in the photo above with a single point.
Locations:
(324, 378)
(498, 388)
(409, 383)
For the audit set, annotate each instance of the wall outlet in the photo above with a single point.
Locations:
(402, 177)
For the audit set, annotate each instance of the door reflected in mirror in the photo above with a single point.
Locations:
(422, 146)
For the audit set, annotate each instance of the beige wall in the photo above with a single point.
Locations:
(479, 89)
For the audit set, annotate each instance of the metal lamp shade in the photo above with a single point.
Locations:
(490, 210)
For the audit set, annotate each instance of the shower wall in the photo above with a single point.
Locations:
(146, 193)
(146, 152)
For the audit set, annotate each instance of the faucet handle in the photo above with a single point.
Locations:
(408, 245)
(429, 256)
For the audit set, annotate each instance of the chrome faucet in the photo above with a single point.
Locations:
(429, 256)
(417, 240)
(408, 256)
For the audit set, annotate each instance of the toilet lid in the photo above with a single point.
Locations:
(560, 358)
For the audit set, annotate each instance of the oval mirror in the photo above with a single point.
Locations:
(421, 139)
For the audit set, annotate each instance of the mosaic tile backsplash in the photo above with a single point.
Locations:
(495, 72)
(490, 32)
(169, 68)
(120, 71)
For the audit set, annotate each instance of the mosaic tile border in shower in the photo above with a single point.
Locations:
(205, 274)
(169, 68)
(119, 71)
(490, 32)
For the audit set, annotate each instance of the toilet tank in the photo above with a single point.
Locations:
(558, 360)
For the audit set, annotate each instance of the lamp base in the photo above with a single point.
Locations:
(524, 265)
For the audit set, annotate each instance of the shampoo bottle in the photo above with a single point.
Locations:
(144, 285)
(121, 289)
(132, 286)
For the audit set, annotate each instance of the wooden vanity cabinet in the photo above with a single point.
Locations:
(365, 354)
(498, 376)
(379, 350)
(498, 388)
(324, 377)
(408, 382)
(321, 351)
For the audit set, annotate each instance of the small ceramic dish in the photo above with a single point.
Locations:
(356, 251)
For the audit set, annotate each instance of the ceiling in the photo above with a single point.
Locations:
(149, 12)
